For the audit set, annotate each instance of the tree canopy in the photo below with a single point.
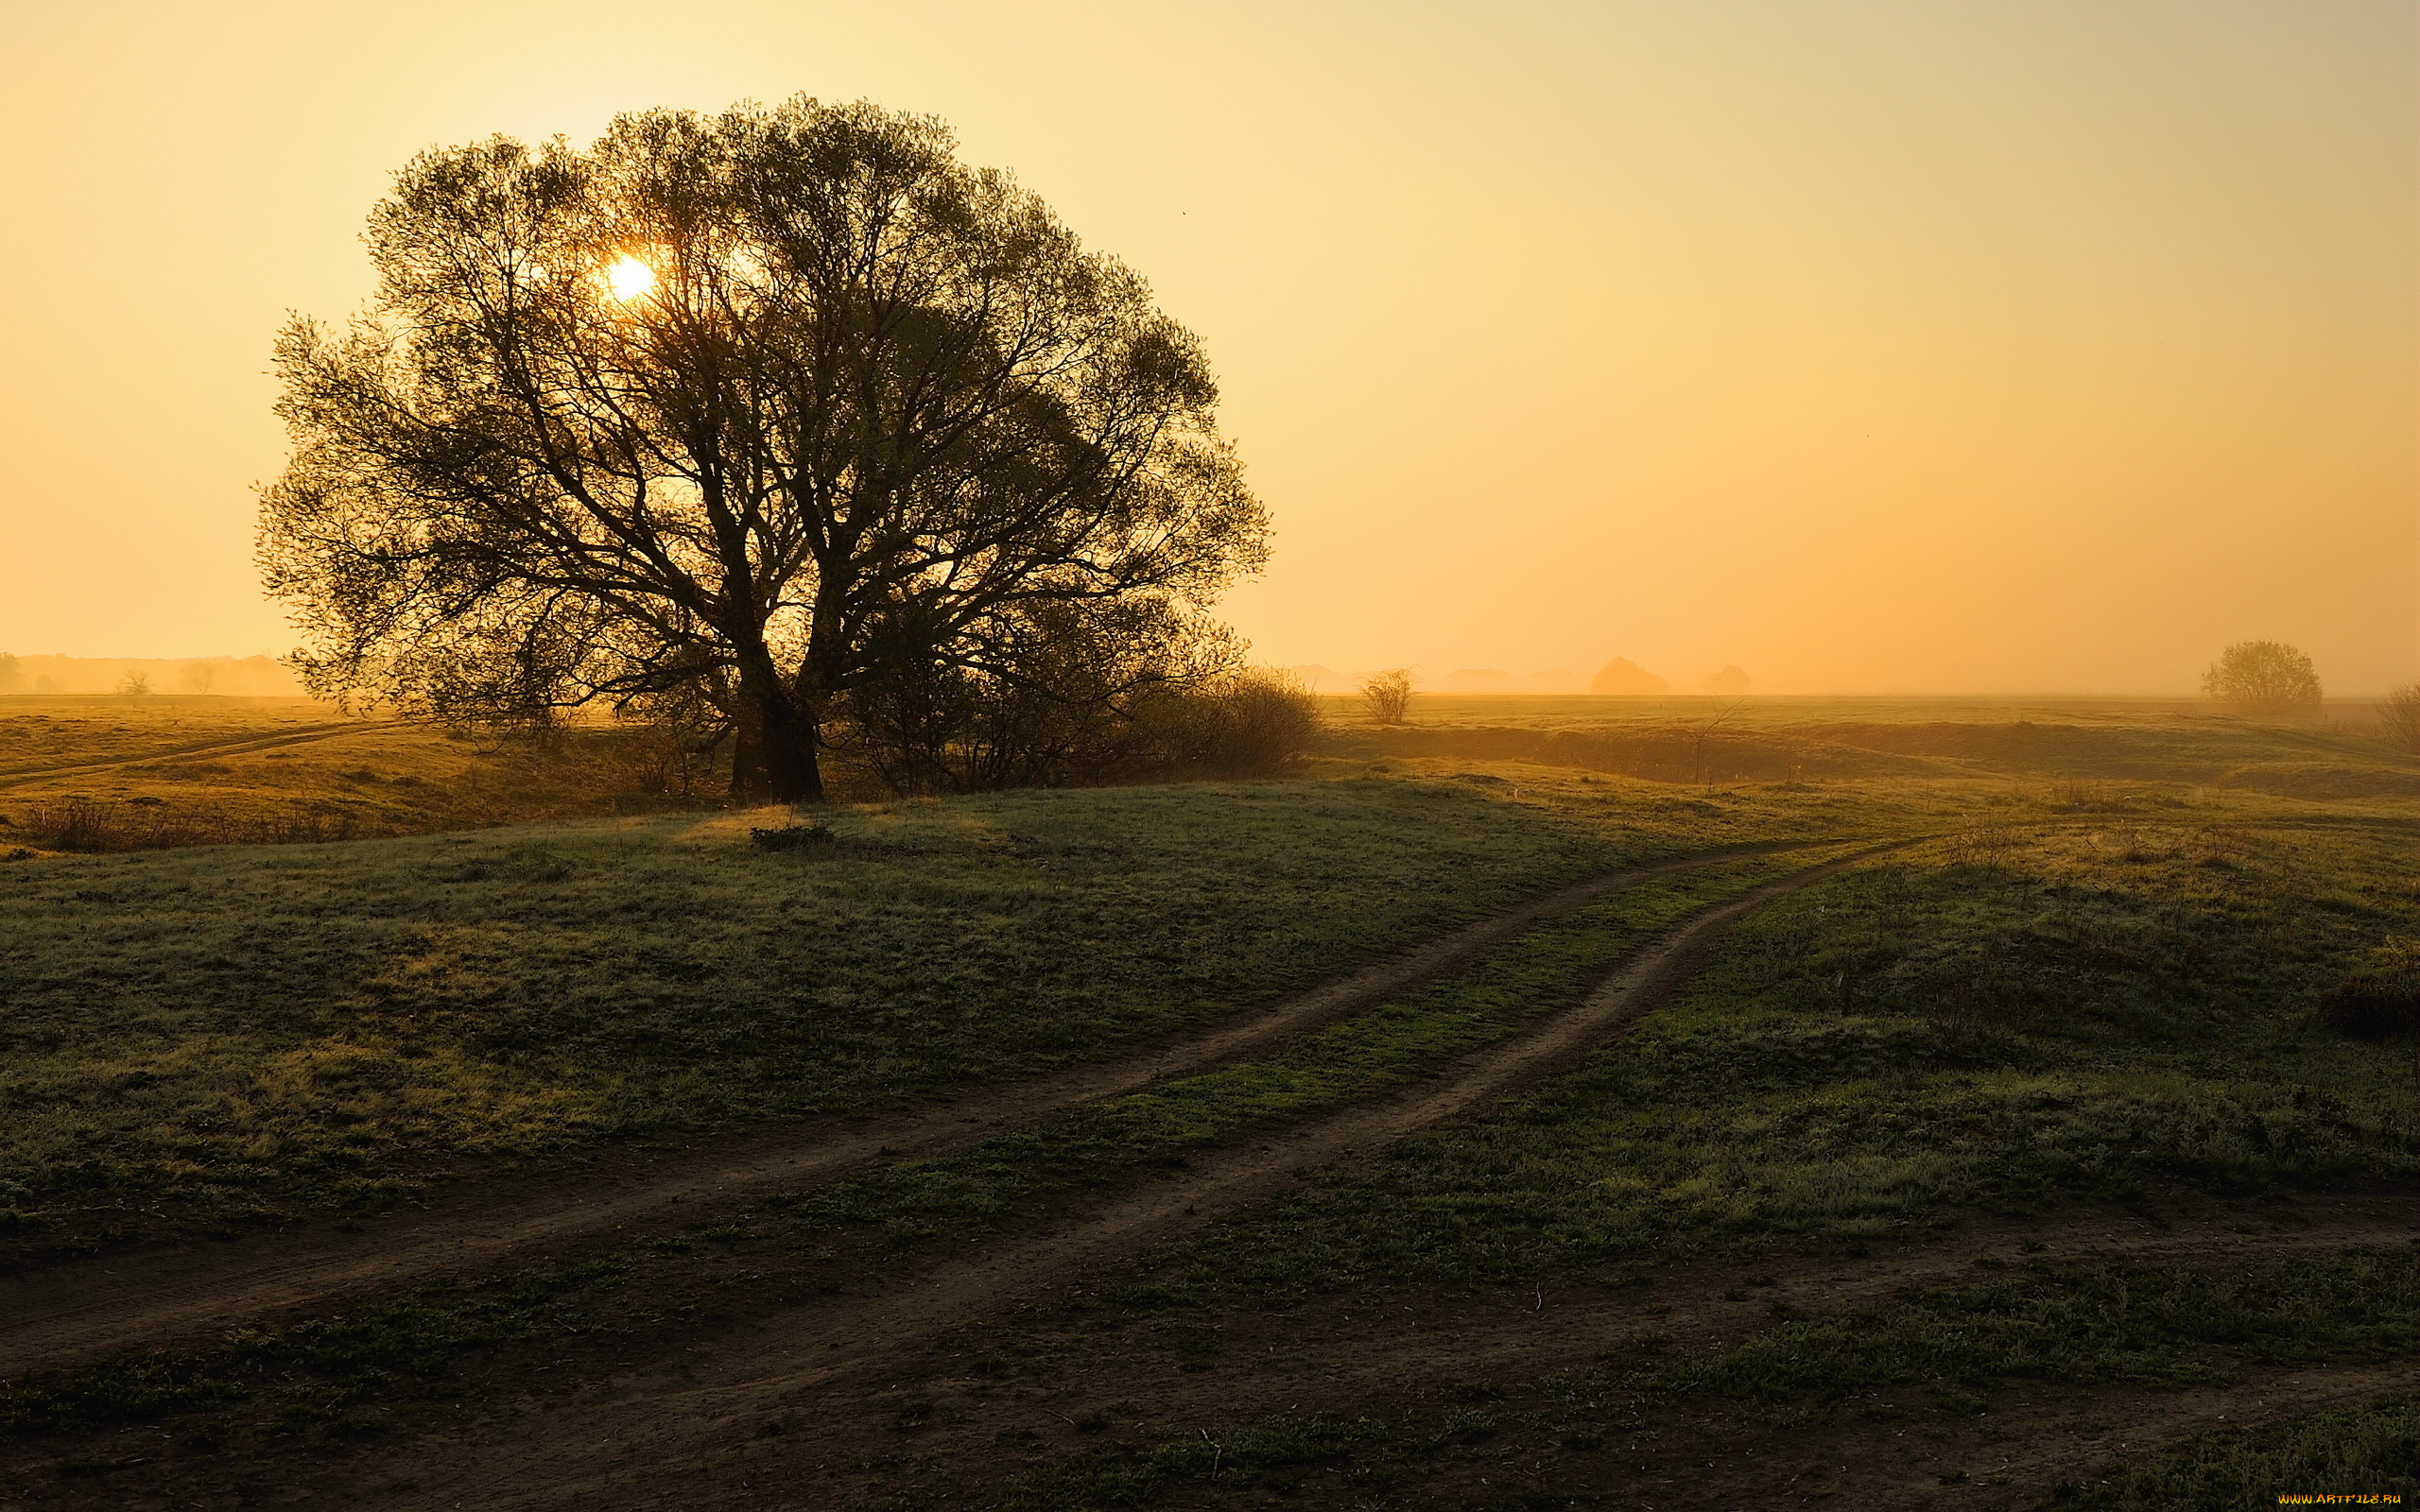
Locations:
(2267, 678)
(765, 416)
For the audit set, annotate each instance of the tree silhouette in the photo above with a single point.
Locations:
(2266, 677)
(741, 414)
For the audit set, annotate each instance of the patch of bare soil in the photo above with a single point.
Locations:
(88, 1308)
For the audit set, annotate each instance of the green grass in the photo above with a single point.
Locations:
(2038, 1009)
(2060, 1016)
(2373, 1448)
(2101, 1323)
(320, 1374)
(204, 1034)
(2097, 984)
(1550, 966)
(410, 1344)
(2089, 1326)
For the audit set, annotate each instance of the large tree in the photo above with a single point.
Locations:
(752, 412)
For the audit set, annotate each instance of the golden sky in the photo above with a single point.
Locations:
(1919, 346)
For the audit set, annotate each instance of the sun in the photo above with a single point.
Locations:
(629, 279)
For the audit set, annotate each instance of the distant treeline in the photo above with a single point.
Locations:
(248, 677)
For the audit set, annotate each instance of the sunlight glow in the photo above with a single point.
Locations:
(629, 279)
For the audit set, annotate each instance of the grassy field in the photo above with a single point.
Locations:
(2086, 989)
(2056, 1014)
(201, 1034)
(38, 732)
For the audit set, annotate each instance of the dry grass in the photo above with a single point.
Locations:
(2169, 745)
(158, 773)
(44, 730)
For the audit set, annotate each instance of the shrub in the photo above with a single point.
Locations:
(2399, 719)
(1113, 714)
(1388, 695)
(1246, 724)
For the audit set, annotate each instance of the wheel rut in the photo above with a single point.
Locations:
(629, 1442)
(92, 1307)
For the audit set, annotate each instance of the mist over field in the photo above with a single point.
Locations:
(224, 676)
(1869, 346)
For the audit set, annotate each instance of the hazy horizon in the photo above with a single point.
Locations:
(1872, 347)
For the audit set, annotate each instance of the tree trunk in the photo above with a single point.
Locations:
(772, 759)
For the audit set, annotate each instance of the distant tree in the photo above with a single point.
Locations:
(2264, 677)
(198, 676)
(1388, 695)
(1728, 683)
(2399, 719)
(11, 675)
(135, 685)
(747, 415)
(1624, 676)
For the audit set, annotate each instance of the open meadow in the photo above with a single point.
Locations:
(1550, 1103)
